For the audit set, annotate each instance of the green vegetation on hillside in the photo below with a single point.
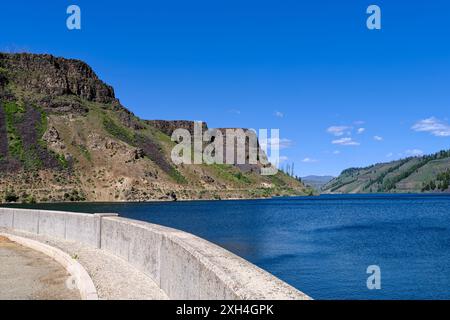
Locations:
(12, 113)
(414, 174)
(230, 173)
(442, 182)
(118, 131)
(151, 148)
(25, 126)
(390, 184)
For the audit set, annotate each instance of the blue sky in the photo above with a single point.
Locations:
(301, 66)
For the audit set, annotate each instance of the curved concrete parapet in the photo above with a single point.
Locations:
(183, 265)
(82, 279)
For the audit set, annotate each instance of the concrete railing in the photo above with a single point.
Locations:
(183, 265)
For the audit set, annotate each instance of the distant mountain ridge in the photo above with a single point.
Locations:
(317, 182)
(430, 173)
(64, 136)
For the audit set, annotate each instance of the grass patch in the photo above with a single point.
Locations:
(118, 131)
(85, 152)
(277, 180)
(230, 173)
(177, 176)
(163, 137)
(62, 160)
(12, 114)
(239, 176)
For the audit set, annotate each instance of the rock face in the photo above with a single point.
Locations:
(51, 135)
(49, 76)
(169, 126)
(64, 136)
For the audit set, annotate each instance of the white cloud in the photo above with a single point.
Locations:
(336, 152)
(279, 114)
(346, 142)
(361, 130)
(235, 111)
(434, 126)
(389, 155)
(338, 131)
(309, 160)
(378, 138)
(282, 143)
(414, 153)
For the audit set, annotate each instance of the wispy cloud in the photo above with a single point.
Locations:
(15, 48)
(336, 152)
(378, 138)
(361, 130)
(235, 111)
(389, 155)
(279, 114)
(346, 142)
(282, 143)
(309, 160)
(414, 153)
(434, 126)
(338, 131)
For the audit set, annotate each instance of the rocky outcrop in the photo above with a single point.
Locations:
(58, 85)
(136, 154)
(50, 76)
(52, 135)
(169, 126)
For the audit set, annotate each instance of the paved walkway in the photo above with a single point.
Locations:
(114, 278)
(26, 274)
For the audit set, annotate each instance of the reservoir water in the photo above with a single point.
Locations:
(320, 245)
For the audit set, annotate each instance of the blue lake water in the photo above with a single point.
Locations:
(321, 245)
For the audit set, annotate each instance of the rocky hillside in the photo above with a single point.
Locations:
(415, 174)
(64, 136)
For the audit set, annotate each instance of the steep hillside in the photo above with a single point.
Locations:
(65, 137)
(415, 174)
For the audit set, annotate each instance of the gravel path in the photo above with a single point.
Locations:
(114, 278)
(26, 274)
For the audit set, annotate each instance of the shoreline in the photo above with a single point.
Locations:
(153, 201)
(158, 201)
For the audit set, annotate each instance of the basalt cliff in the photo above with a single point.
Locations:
(64, 136)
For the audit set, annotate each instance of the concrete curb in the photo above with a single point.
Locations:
(82, 278)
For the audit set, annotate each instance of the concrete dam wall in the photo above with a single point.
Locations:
(182, 265)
